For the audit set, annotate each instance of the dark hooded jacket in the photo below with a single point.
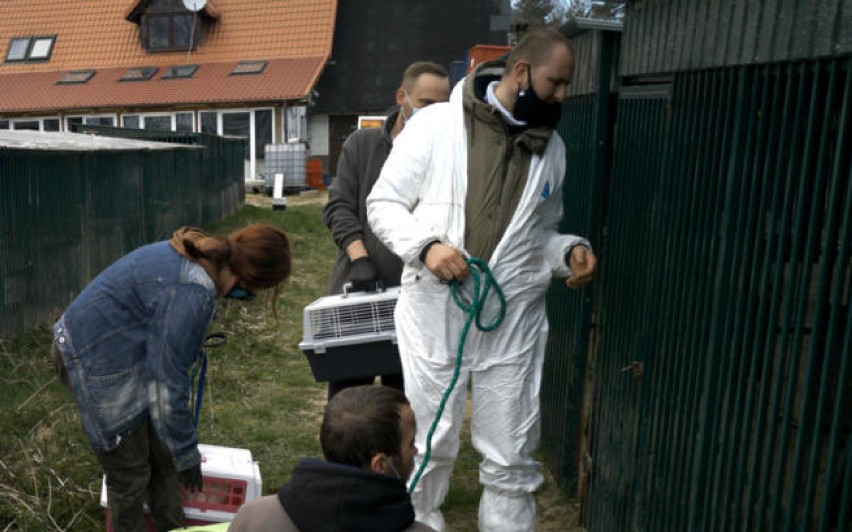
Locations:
(327, 497)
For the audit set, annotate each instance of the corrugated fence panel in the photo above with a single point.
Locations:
(589, 52)
(585, 129)
(663, 36)
(65, 216)
(112, 208)
(565, 362)
(41, 201)
(221, 168)
(625, 324)
(725, 291)
(585, 59)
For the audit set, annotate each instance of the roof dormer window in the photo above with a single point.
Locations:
(168, 26)
(169, 31)
(23, 49)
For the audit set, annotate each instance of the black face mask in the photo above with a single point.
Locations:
(533, 110)
(240, 293)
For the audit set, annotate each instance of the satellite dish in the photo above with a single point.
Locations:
(194, 5)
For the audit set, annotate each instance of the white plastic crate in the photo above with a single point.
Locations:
(351, 335)
(231, 479)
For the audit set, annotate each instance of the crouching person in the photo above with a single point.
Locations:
(367, 437)
(127, 347)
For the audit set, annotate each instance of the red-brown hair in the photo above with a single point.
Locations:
(259, 256)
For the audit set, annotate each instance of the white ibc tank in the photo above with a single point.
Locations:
(288, 159)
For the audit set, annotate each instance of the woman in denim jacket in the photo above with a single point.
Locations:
(127, 345)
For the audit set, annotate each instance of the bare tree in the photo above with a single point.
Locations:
(596, 9)
(528, 14)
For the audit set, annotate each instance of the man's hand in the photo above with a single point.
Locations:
(583, 264)
(191, 478)
(446, 263)
(363, 275)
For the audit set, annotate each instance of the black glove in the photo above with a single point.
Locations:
(191, 478)
(363, 275)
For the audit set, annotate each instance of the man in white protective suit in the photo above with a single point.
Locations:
(482, 176)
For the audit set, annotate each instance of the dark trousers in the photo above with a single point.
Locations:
(394, 381)
(139, 471)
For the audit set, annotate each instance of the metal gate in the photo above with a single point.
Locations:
(724, 353)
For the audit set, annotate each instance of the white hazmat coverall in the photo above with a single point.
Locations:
(420, 197)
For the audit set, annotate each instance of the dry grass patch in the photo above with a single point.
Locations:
(260, 395)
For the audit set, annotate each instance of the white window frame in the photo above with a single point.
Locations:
(39, 119)
(144, 116)
(251, 110)
(114, 116)
(172, 119)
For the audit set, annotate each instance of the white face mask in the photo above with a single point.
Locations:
(389, 462)
(414, 110)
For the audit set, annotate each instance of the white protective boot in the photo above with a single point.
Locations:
(506, 513)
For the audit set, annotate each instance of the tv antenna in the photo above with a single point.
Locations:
(195, 6)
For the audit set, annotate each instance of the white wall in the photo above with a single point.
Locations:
(319, 135)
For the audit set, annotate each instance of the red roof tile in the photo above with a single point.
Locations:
(294, 36)
(283, 79)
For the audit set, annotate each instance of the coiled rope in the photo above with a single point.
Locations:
(483, 282)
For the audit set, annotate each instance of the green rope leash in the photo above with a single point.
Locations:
(473, 308)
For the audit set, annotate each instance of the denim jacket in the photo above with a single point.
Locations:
(129, 342)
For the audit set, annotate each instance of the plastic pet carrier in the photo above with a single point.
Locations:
(231, 478)
(351, 335)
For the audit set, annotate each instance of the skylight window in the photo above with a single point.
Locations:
(41, 48)
(244, 68)
(139, 74)
(182, 71)
(30, 48)
(18, 49)
(76, 77)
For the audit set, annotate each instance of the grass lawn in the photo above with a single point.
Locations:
(260, 395)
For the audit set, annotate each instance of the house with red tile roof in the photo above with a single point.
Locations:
(230, 67)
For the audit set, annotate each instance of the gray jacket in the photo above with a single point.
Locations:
(358, 168)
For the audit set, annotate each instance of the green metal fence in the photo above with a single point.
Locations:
(723, 364)
(222, 162)
(585, 129)
(565, 360)
(66, 215)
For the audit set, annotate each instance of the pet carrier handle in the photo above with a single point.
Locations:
(347, 288)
